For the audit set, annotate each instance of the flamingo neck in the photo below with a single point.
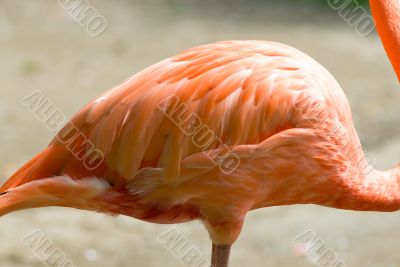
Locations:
(387, 18)
(382, 189)
(374, 191)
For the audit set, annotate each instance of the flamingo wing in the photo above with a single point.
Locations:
(209, 98)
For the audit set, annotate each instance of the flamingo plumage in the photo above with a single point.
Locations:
(210, 134)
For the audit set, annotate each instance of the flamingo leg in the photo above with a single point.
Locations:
(213, 255)
(220, 255)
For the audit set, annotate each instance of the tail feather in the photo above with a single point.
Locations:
(47, 163)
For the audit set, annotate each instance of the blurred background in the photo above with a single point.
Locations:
(42, 47)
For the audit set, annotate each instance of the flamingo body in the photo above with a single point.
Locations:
(274, 108)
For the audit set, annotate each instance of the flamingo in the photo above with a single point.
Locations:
(211, 134)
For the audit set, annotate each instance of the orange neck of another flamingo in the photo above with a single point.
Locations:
(387, 18)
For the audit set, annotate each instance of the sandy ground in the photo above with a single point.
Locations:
(42, 48)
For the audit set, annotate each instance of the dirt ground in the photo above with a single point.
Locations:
(43, 48)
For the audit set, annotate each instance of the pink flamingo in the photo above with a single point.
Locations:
(277, 127)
